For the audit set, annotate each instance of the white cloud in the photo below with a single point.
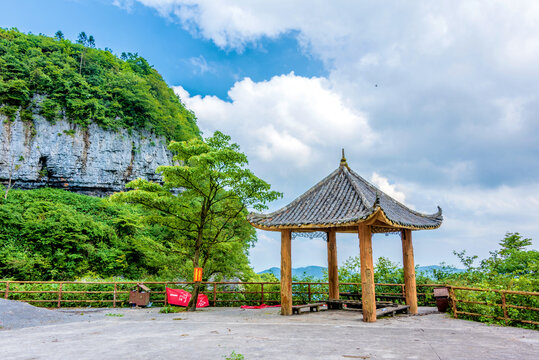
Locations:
(200, 65)
(440, 97)
(287, 121)
(124, 4)
(383, 184)
(423, 68)
(506, 30)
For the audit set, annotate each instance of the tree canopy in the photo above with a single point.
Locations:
(86, 85)
(50, 234)
(209, 212)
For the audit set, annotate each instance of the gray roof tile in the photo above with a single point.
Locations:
(344, 197)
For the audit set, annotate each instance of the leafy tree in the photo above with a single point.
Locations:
(508, 266)
(91, 41)
(208, 215)
(513, 242)
(512, 259)
(59, 35)
(467, 261)
(85, 41)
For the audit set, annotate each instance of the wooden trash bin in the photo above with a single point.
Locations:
(139, 296)
(442, 298)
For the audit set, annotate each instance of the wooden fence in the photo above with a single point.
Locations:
(495, 304)
(70, 293)
(504, 305)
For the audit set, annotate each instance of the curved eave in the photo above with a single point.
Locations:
(377, 214)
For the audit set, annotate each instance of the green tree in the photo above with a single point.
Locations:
(504, 266)
(512, 259)
(208, 214)
(91, 41)
(84, 40)
(513, 242)
(59, 35)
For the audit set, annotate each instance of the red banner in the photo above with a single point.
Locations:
(202, 301)
(181, 297)
(178, 297)
(197, 274)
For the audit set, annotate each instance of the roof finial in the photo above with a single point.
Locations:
(343, 159)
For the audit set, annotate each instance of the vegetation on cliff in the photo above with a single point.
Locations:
(85, 84)
(52, 234)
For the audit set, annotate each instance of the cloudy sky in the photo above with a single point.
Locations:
(435, 102)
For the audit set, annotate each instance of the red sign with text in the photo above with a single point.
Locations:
(178, 297)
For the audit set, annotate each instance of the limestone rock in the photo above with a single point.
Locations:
(93, 161)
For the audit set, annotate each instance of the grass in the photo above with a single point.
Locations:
(234, 356)
(171, 309)
(114, 315)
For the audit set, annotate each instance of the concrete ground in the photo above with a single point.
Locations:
(213, 333)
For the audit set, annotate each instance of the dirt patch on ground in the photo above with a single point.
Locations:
(16, 315)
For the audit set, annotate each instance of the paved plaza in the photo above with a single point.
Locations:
(213, 333)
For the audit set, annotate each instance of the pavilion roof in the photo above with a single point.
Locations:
(344, 200)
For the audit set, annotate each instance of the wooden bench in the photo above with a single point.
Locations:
(392, 310)
(312, 307)
(338, 304)
(350, 296)
(357, 296)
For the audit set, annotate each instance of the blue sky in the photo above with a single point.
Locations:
(435, 102)
(196, 63)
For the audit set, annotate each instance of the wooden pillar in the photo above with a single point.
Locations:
(409, 270)
(286, 272)
(367, 274)
(333, 272)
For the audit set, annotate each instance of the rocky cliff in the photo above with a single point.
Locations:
(90, 160)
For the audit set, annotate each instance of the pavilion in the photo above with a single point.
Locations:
(345, 202)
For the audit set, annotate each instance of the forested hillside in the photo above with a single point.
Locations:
(85, 84)
(52, 234)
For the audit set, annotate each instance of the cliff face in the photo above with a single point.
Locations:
(93, 161)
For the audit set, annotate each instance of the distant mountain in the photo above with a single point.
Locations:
(429, 270)
(317, 272)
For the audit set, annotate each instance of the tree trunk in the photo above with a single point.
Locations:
(9, 184)
(196, 287)
(194, 298)
(81, 57)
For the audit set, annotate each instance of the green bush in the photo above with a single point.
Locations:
(51, 234)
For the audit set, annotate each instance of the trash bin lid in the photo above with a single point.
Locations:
(143, 287)
(440, 292)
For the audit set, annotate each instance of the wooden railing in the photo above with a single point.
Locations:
(496, 304)
(116, 293)
(496, 301)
